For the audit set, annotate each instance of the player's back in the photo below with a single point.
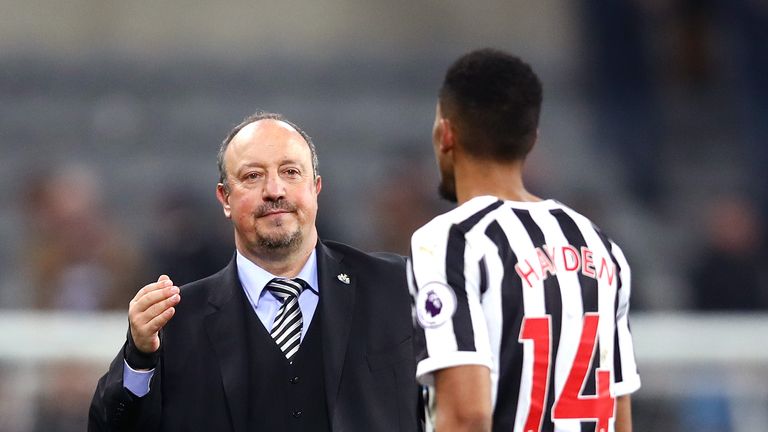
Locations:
(537, 293)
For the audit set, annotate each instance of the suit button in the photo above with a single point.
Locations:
(297, 413)
(294, 380)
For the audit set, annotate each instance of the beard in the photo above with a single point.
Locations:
(281, 240)
(447, 187)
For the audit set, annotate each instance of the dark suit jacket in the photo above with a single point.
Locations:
(369, 366)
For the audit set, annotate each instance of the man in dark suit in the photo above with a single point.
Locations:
(294, 334)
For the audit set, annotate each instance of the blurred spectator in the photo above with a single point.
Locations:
(690, 29)
(621, 80)
(730, 273)
(77, 257)
(406, 200)
(185, 242)
(747, 28)
(65, 397)
(14, 410)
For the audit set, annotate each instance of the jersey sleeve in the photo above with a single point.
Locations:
(444, 278)
(627, 379)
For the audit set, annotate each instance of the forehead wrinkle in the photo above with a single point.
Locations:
(243, 139)
(241, 156)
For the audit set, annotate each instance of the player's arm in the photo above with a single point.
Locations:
(463, 399)
(624, 414)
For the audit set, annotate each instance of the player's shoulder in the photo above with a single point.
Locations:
(438, 228)
(584, 221)
(577, 216)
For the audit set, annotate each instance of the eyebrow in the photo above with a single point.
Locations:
(285, 161)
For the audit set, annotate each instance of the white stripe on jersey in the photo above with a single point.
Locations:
(631, 379)
(542, 243)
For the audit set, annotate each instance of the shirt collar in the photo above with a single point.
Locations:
(254, 278)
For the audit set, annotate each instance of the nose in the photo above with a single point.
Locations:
(274, 189)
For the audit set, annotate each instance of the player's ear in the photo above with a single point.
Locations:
(222, 194)
(447, 135)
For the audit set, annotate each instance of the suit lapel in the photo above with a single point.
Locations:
(337, 299)
(224, 325)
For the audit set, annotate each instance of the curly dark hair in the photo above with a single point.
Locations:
(493, 99)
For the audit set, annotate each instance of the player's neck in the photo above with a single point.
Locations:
(481, 177)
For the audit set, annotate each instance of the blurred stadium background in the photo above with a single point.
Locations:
(655, 125)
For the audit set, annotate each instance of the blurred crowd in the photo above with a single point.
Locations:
(676, 102)
(79, 258)
(681, 96)
(677, 93)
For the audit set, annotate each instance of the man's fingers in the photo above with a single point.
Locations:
(145, 325)
(159, 308)
(147, 300)
(151, 309)
(162, 282)
(161, 320)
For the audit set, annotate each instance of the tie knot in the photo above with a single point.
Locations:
(283, 288)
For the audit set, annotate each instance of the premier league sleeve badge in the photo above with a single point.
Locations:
(435, 304)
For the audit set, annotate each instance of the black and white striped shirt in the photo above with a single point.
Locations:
(539, 295)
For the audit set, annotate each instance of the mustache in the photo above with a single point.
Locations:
(271, 206)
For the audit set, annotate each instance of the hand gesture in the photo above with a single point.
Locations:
(150, 310)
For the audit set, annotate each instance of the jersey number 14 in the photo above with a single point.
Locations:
(571, 404)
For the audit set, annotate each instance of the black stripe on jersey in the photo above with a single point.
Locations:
(618, 374)
(576, 239)
(510, 351)
(454, 272)
(483, 276)
(553, 302)
(588, 298)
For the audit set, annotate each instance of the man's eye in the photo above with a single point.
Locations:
(292, 172)
(252, 176)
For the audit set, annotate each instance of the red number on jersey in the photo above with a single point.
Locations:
(539, 331)
(571, 404)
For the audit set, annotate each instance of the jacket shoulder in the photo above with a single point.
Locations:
(196, 294)
(352, 254)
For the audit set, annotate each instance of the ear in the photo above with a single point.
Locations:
(318, 185)
(223, 196)
(446, 135)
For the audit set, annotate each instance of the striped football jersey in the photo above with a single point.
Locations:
(539, 295)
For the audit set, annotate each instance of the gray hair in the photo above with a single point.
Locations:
(261, 115)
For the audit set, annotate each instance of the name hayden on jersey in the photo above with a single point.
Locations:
(551, 260)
